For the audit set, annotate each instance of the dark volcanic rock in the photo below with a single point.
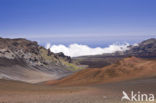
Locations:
(29, 51)
(146, 48)
(61, 55)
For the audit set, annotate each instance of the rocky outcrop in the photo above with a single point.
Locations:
(29, 51)
(32, 59)
(146, 48)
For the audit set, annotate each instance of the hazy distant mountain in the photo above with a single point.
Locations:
(25, 60)
(146, 48)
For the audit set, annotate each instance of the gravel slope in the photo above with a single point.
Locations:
(18, 92)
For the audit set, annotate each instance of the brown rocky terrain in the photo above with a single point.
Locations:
(20, 92)
(126, 69)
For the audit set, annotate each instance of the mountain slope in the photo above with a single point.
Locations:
(25, 60)
(128, 68)
(146, 48)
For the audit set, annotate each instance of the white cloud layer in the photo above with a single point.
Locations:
(75, 50)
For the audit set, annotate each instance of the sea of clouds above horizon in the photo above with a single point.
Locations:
(75, 50)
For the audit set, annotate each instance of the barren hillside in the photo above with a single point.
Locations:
(126, 69)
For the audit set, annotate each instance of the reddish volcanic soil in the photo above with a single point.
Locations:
(98, 85)
(126, 69)
(18, 92)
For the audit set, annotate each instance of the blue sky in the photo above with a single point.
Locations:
(91, 22)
